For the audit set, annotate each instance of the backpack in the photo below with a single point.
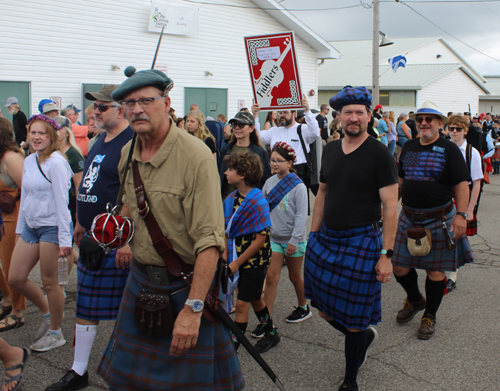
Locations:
(217, 130)
(475, 137)
(468, 160)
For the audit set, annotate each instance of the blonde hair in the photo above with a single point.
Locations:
(391, 116)
(202, 131)
(51, 134)
(458, 119)
(70, 139)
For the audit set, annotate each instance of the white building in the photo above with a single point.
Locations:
(434, 71)
(62, 49)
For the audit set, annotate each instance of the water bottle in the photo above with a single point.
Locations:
(63, 270)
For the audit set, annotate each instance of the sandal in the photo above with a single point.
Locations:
(5, 311)
(18, 378)
(18, 322)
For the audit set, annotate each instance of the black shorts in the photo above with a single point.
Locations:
(251, 284)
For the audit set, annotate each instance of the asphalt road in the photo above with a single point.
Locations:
(463, 355)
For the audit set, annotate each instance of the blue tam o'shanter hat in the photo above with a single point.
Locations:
(429, 108)
(351, 96)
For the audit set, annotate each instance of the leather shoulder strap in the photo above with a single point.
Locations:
(173, 262)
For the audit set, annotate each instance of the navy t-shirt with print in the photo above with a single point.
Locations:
(431, 172)
(101, 182)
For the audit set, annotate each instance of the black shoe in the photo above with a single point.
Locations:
(451, 285)
(299, 315)
(371, 336)
(258, 332)
(70, 382)
(348, 387)
(269, 341)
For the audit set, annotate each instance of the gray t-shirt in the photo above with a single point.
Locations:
(290, 216)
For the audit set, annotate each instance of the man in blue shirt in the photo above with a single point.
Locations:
(383, 128)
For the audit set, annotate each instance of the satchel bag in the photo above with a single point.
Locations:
(91, 254)
(419, 241)
(153, 314)
(7, 202)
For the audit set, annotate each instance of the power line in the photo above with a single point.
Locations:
(274, 9)
(451, 35)
(482, 2)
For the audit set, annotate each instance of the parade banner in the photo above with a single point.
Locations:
(177, 19)
(274, 71)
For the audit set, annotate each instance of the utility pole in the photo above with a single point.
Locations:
(375, 53)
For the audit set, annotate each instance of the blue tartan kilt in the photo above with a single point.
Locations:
(133, 361)
(440, 258)
(99, 292)
(340, 276)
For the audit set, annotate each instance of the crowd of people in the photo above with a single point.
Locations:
(199, 210)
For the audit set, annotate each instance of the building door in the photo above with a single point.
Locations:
(19, 89)
(210, 101)
(88, 88)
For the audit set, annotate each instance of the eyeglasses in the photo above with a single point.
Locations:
(277, 161)
(239, 125)
(428, 119)
(143, 102)
(455, 128)
(102, 107)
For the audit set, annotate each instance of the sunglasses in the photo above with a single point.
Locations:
(428, 119)
(239, 125)
(102, 107)
(455, 128)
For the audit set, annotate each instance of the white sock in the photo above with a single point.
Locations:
(55, 332)
(84, 339)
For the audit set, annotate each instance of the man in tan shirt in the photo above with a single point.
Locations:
(182, 185)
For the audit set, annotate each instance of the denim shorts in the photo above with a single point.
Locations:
(42, 234)
(281, 248)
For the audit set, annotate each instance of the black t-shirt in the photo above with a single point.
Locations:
(323, 126)
(19, 121)
(413, 128)
(211, 144)
(352, 199)
(431, 172)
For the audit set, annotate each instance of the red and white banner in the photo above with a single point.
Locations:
(274, 71)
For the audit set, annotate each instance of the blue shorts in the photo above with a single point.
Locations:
(281, 248)
(42, 234)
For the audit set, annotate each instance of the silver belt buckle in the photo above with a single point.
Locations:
(158, 275)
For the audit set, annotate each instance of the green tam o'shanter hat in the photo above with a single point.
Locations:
(146, 78)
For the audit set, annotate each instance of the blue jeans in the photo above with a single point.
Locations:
(392, 145)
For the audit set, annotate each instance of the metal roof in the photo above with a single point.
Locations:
(355, 66)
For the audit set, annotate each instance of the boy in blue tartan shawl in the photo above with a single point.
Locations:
(247, 222)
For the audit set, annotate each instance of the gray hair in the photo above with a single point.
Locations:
(66, 110)
(385, 114)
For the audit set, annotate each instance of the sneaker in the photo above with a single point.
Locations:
(258, 332)
(409, 310)
(269, 341)
(371, 336)
(48, 342)
(70, 382)
(42, 330)
(427, 327)
(299, 315)
(451, 285)
(348, 387)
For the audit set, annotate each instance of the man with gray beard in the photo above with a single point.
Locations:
(100, 286)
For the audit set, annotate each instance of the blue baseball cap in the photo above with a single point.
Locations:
(351, 96)
(73, 107)
(42, 103)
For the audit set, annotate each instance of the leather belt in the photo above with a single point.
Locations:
(420, 217)
(378, 225)
(157, 274)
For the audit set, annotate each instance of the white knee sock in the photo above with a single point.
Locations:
(84, 338)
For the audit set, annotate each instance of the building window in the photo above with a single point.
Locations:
(383, 98)
(402, 99)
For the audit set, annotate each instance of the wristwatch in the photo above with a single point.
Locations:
(387, 253)
(464, 215)
(196, 305)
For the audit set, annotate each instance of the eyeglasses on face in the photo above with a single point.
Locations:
(239, 125)
(455, 128)
(129, 104)
(102, 107)
(277, 161)
(428, 119)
